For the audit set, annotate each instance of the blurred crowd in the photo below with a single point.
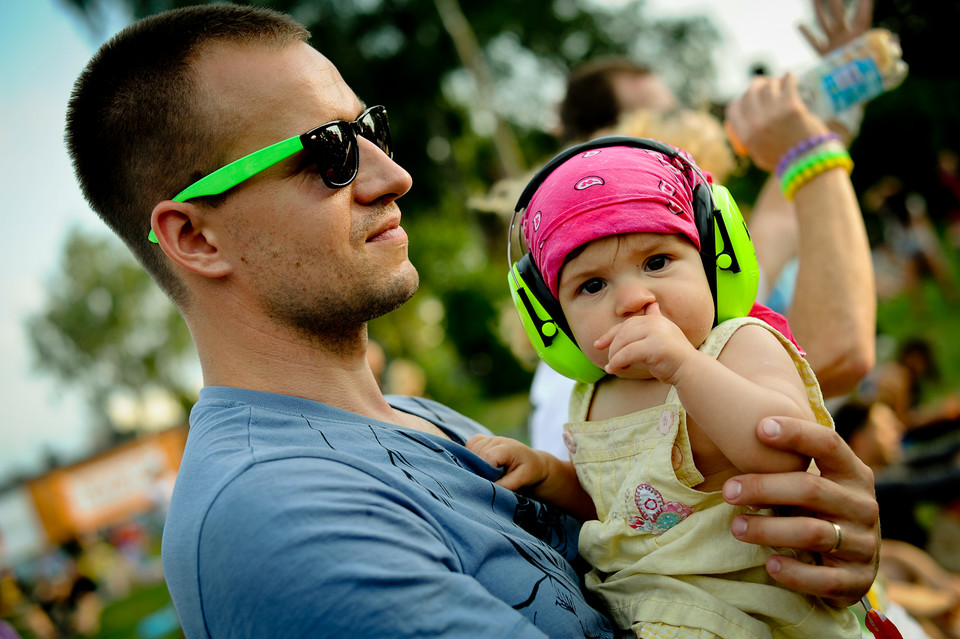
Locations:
(64, 592)
(910, 437)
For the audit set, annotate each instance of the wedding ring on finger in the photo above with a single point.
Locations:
(836, 544)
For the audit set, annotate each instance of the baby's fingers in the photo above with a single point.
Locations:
(622, 334)
(620, 359)
(518, 477)
(607, 338)
(479, 443)
(491, 449)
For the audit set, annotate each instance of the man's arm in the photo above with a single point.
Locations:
(833, 312)
(840, 351)
(834, 308)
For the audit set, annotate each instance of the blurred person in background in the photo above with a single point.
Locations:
(911, 577)
(909, 249)
(904, 482)
(906, 385)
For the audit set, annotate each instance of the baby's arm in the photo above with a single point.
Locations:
(753, 378)
(547, 478)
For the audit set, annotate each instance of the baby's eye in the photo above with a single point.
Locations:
(591, 286)
(656, 263)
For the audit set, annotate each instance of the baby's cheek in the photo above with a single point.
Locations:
(598, 357)
(585, 333)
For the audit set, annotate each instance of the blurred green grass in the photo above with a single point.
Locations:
(121, 618)
(927, 313)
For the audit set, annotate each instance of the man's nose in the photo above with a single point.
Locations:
(379, 177)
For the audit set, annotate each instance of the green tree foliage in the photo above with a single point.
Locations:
(108, 330)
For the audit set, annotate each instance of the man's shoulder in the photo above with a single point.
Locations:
(237, 448)
(220, 405)
(248, 455)
(261, 478)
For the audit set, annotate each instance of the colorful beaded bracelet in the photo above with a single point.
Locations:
(811, 166)
(825, 151)
(795, 152)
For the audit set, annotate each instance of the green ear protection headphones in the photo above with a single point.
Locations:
(726, 251)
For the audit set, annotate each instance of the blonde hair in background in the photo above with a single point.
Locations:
(697, 132)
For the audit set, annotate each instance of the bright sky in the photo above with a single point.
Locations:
(44, 48)
(754, 31)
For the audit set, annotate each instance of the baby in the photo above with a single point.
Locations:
(612, 232)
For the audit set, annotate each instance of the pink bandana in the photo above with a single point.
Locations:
(607, 191)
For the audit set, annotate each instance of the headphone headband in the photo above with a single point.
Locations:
(598, 143)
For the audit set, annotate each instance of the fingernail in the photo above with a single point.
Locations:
(770, 428)
(739, 526)
(732, 489)
(773, 565)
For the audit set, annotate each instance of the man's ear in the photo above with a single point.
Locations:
(184, 239)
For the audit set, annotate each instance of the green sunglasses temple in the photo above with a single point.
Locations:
(229, 176)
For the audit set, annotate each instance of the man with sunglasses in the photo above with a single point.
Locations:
(307, 503)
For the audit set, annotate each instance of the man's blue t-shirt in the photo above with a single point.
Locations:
(291, 518)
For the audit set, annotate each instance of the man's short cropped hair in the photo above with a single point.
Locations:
(138, 130)
(590, 103)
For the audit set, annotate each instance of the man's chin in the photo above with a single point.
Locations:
(402, 294)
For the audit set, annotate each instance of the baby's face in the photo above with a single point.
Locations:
(616, 277)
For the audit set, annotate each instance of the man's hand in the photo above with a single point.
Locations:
(770, 118)
(843, 494)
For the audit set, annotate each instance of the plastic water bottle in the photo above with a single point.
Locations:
(847, 77)
(853, 74)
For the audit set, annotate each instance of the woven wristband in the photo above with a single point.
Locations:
(811, 166)
(795, 152)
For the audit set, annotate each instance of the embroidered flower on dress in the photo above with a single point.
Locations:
(656, 515)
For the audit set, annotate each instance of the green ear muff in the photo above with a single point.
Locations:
(731, 267)
(545, 325)
(737, 270)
